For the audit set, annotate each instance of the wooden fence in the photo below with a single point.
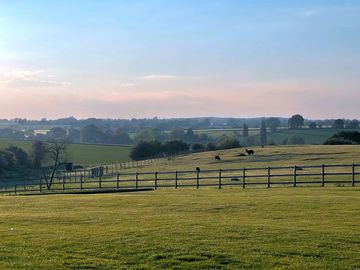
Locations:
(320, 175)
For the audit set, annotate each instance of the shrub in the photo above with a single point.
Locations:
(344, 137)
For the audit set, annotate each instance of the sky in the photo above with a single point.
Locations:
(179, 58)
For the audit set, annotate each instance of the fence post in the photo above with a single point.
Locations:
(197, 179)
(118, 181)
(136, 180)
(81, 181)
(244, 176)
(353, 175)
(63, 183)
(322, 175)
(15, 188)
(220, 178)
(40, 187)
(156, 179)
(176, 179)
(99, 179)
(295, 176)
(269, 177)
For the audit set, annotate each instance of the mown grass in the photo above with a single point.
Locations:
(83, 154)
(280, 228)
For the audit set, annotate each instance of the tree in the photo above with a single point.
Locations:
(55, 152)
(57, 133)
(177, 134)
(296, 121)
(74, 135)
(273, 123)
(144, 150)
(353, 124)
(91, 134)
(338, 124)
(245, 130)
(312, 125)
(198, 147)
(263, 135)
(38, 154)
(227, 142)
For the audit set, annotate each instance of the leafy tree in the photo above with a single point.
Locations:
(198, 147)
(344, 137)
(74, 135)
(245, 130)
(57, 133)
(263, 134)
(296, 121)
(312, 125)
(175, 147)
(353, 124)
(38, 154)
(145, 149)
(227, 142)
(150, 134)
(338, 124)
(177, 134)
(273, 123)
(91, 134)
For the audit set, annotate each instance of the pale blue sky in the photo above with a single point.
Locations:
(179, 58)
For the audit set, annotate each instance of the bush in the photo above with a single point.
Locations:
(144, 150)
(344, 137)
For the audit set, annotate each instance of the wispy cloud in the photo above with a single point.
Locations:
(31, 78)
(158, 77)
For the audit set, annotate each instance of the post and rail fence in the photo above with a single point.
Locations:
(320, 175)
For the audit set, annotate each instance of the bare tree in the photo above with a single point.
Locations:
(55, 153)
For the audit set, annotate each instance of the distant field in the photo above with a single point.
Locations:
(84, 154)
(310, 136)
(279, 228)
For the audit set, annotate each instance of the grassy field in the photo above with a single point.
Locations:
(84, 154)
(310, 136)
(280, 228)
(264, 157)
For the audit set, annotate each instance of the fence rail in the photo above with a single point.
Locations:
(337, 174)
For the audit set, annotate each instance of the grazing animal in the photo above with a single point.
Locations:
(241, 155)
(217, 158)
(235, 179)
(250, 152)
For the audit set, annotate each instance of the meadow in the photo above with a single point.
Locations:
(280, 228)
(84, 154)
(264, 157)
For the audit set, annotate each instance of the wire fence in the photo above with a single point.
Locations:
(318, 175)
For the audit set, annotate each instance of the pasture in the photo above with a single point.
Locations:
(84, 154)
(284, 228)
(264, 157)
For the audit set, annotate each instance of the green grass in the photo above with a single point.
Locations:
(310, 136)
(264, 157)
(84, 154)
(280, 228)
